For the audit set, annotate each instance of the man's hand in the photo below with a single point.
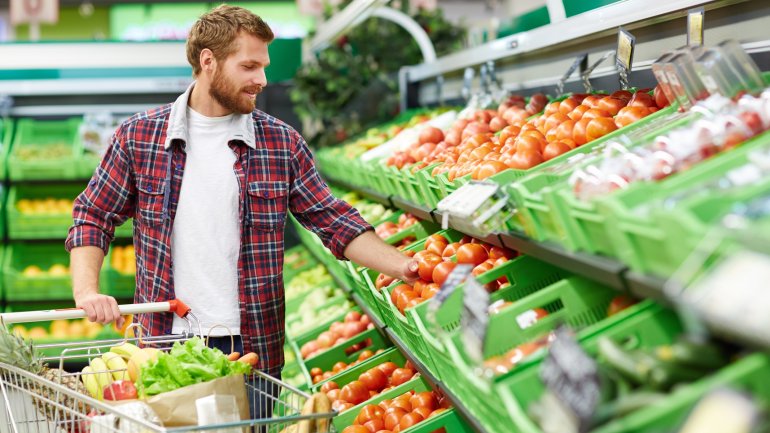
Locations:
(409, 274)
(100, 308)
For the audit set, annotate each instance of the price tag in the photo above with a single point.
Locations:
(580, 61)
(475, 318)
(464, 202)
(624, 55)
(733, 296)
(695, 19)
(458, 276)
(572, 376)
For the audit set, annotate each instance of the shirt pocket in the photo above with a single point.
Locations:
(267, 205)
(151, 190)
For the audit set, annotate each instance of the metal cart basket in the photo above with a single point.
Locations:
(32, 403)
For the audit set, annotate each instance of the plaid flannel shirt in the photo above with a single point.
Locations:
(140, 176)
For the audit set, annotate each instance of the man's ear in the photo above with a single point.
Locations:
(207, 61)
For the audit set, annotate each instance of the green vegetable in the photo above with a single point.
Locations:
(186, 364)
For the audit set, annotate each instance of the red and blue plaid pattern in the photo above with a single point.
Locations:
(139, 178)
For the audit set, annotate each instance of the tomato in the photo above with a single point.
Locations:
(423, 411)
(564, 130)
(497, 123)
(353, 316)
(383, 281)
(409, 420)
(508, 132)
(578, 112)
(591, 101)
(333, 394)
(619, 303)
(404, 298)
(450, 250)
(568, 105)
(366, 354)
(481, 268)
(387, 368)
(393, 417)
(430, 291)
(555, 149)
(370, 412)
(473, 254)
(400, 404)
(355, 428)
(498, 252)
(401, 375)
(529, 143)
(579, 132)
(317, 379)
(629, 115)
(537, 134)
(374, 379)
(552, 107)
(442, 271)
(527, 159)
(660, 97)
(424, 399)
(555, 120)
(375, 425)
(398, 290)
(430, 134)
(474, 128)
(642, 99)
(490, 168)
(599, 127)
(594, 113)
(355, 392)
(625, 95)
(427, 263)
(339, 366)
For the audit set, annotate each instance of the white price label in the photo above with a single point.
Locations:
(467, 199)
(734, 295)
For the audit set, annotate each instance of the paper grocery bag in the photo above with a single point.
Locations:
(177, 408)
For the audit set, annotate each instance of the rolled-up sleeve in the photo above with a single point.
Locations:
(312, 203)
(108, 200)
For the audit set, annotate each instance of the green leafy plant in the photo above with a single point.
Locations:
(354, 82)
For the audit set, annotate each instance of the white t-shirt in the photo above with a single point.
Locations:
(206, 239)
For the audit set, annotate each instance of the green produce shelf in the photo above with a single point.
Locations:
(45, 150)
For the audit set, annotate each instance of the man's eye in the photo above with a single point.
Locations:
(248, 68)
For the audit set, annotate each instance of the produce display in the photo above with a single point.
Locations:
(387, 229)
(48, 151)
(726, 125)
(45, 206)
(407, 410)
(312, 310)
(371, 212)
(56, 270)
(339, 332)
(370, 383)
(305, 281)
(124, 259)
(319, 375)
(60, 330)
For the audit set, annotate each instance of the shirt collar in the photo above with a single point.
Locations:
(242, 124)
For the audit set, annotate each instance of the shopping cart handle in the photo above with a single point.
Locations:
(173, 306)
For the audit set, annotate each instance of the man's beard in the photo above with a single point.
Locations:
(230, 97)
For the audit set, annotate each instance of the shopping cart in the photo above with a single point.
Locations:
(32, 403)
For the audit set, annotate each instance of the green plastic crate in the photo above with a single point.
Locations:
(21, 287)
(352, 373)
(418, 231)
(40, 224)
(6, 139)
(531, 195)
(340, 300)
(39, 134)
(525, 274)
(642, 241)
(429, 191)
(381, 298)
(576, 302)
(326, 359)
(650, 328)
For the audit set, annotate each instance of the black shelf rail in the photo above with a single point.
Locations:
(604, 270)
(436, 384)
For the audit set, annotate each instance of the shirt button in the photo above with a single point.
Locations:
(179, 166)
(149, 188)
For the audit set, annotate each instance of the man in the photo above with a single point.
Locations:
(209, 180)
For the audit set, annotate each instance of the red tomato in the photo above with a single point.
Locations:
(490, 168)
(333, 394)
(409, 420)
(599, 127)
(423, 411)
(450, 250)
(404, 298)
(481, 268)
(427, 263)
(374, 379)
(442, 271)
(398, 290)
(619, 303)
(526, 159)
(370, 412)
(473, 254)
(591, 101)
(339, 366)
(642, 99)
(387, 368)
(430, 134)
(355, 392)
(629, 115)
(564, 130)
(393, 418)
(401, 375)
(594, 113)
(424, 399)
(366, 354)
(660, 97)
(578, 112)
(315, 371)
(355, 428)
(508, 132)
(498, 252)
(579, 131)
(568, 105)
(529, 143)
(552, 107)
(555, 149)
(555, 120)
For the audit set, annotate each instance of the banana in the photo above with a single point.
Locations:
(91, 383)
(125, 350)
(117, 365)
(102, 375)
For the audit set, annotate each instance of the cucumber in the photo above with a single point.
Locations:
(691, 353)
(664, 375)
(631, 364)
